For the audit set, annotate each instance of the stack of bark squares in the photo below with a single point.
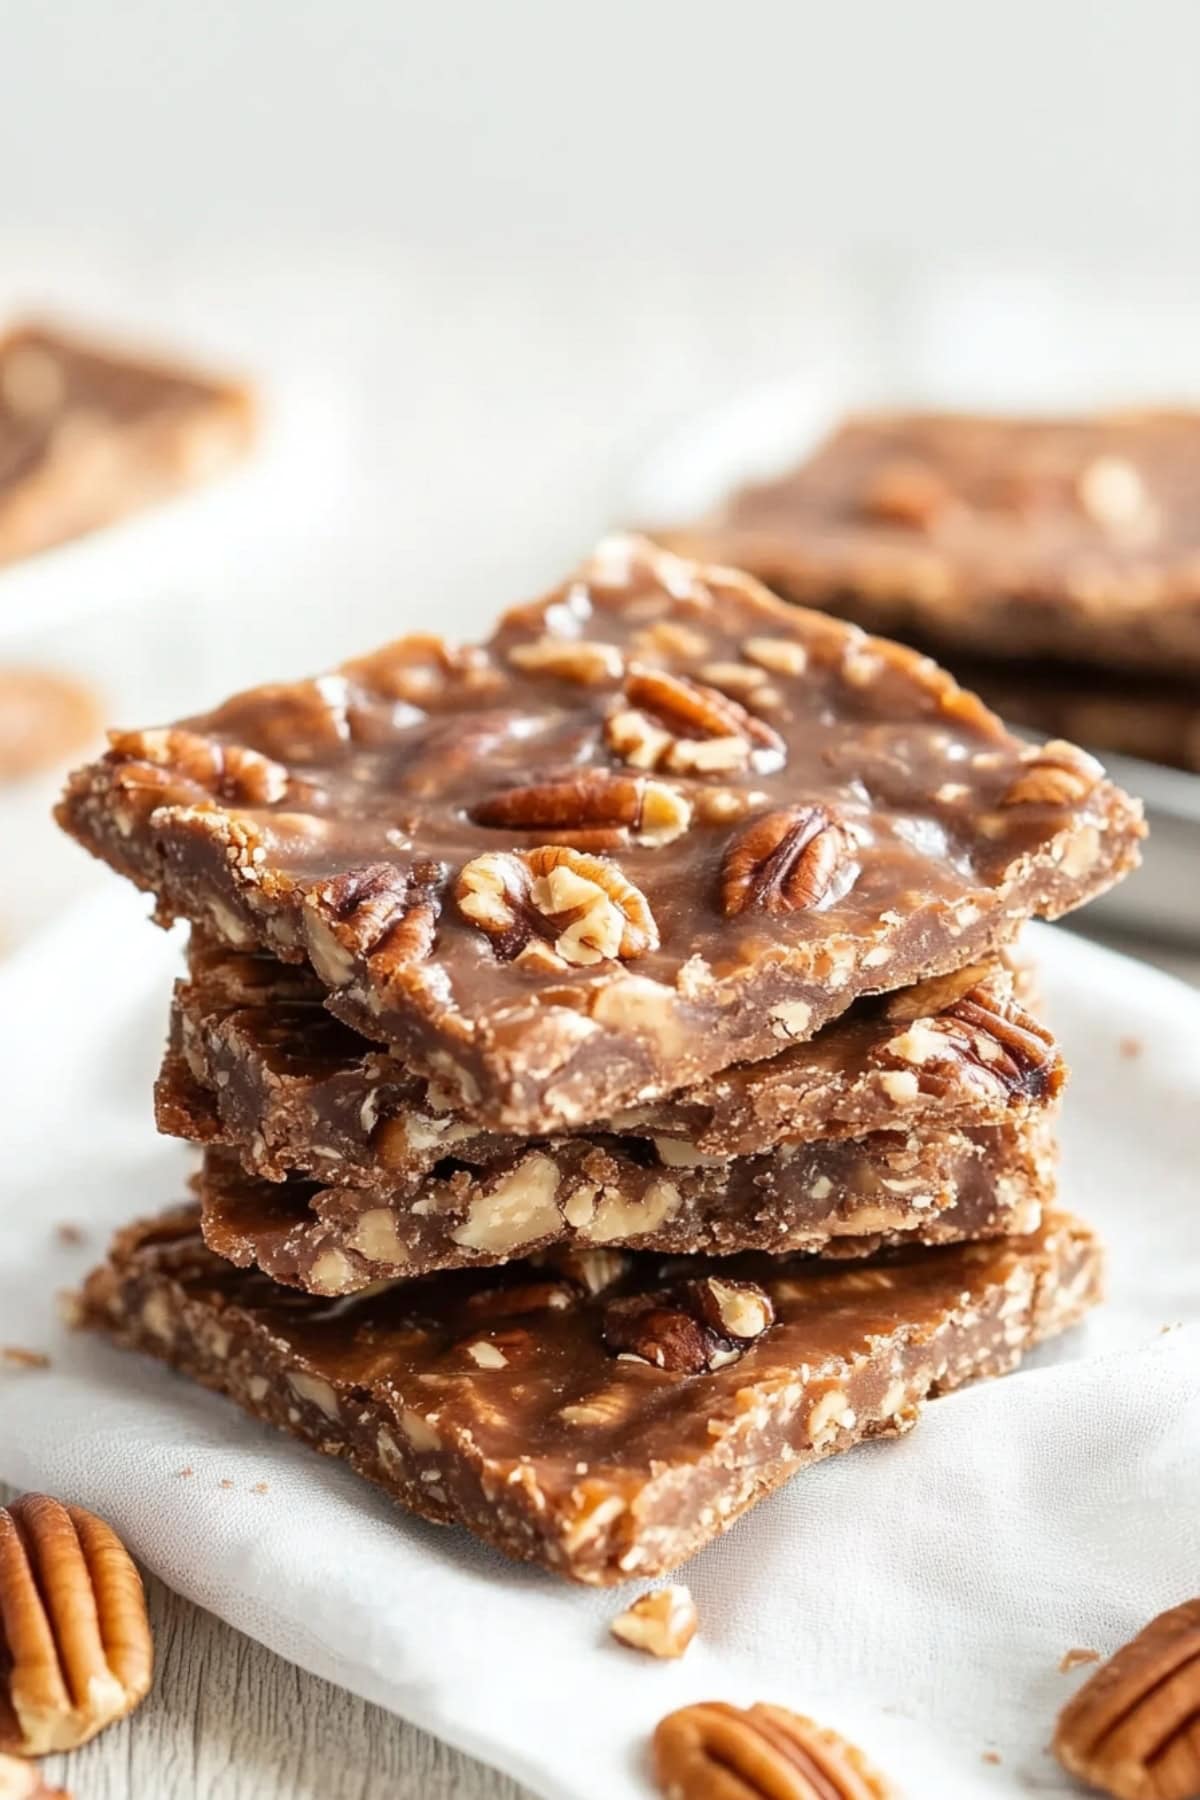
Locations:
(1054, 563)
(616, 1085)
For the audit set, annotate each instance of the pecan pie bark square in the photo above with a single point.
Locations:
(843, 1197)
(659, 824)
(89, 433)
(1065, 538)
(255, 1062)
(607, 1417)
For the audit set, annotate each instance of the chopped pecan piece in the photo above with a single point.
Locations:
(783, 861)
(229, 772)
(569, 659)
(662, 1622)
(690, 1328)
(1057, 774)
(577, 909)
(1132, 1728)
(631, 808)
(713, 1751)
(75, 1649)
(671, 722)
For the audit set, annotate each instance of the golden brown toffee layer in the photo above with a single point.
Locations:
(1072, 538)
(608, 1415)
(844, 1197)
(88, 434)
(659, 824)
(255, 1062)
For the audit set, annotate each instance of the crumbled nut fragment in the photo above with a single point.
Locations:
(1056, 774)
(1130, 1047)
(73, 1625)
(592, 1270)
(782, 656)
(670, 722)
(70, 1234)
(784, 861)
(1131, 1728)
(713, 1751)
(907, 492)
(629, 808)
(582, 907)
(1075, 1659)
(662, 1622)
(19, 1358)
(569, 659)
(690, 1328)
(1113, 493)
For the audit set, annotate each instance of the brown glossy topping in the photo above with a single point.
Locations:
(1073, 538)
(562, 894)
(494, 1398)
(257, 1063)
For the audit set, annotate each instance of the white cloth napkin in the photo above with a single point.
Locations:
(918, 1594)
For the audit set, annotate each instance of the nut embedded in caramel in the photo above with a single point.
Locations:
(74, 1635)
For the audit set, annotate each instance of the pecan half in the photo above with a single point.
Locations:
(1009, 1048)
(422, 668)
(671, 722)
(576, 909)
(662, 1622)
(1055, 774)
(75, 1647)
(632, 808)
(1132, 1728)
(690, 1328)
(379, 914)
(713, 1751)
(783, 861)
(229, 772)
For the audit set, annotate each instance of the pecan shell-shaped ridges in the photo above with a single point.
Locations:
(1133, 1729)
(230, 772)
(381, 914)
(75, 1646)
(1055, 774)
(635, 808)
(690, 1328)
(577, 909)
(783, 862)
(671, 722)
(713, 1751)
(1011, 1045)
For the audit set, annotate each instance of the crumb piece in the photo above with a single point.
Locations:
(225, 1481)
(1075, 1659)
(992, 1756)
(662, 1622)
(70, 1234)
(1163, 1329)
(188, 1471)
(260, 1487)
(1130, 1047)
(69, 1306)
(20, 1358)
